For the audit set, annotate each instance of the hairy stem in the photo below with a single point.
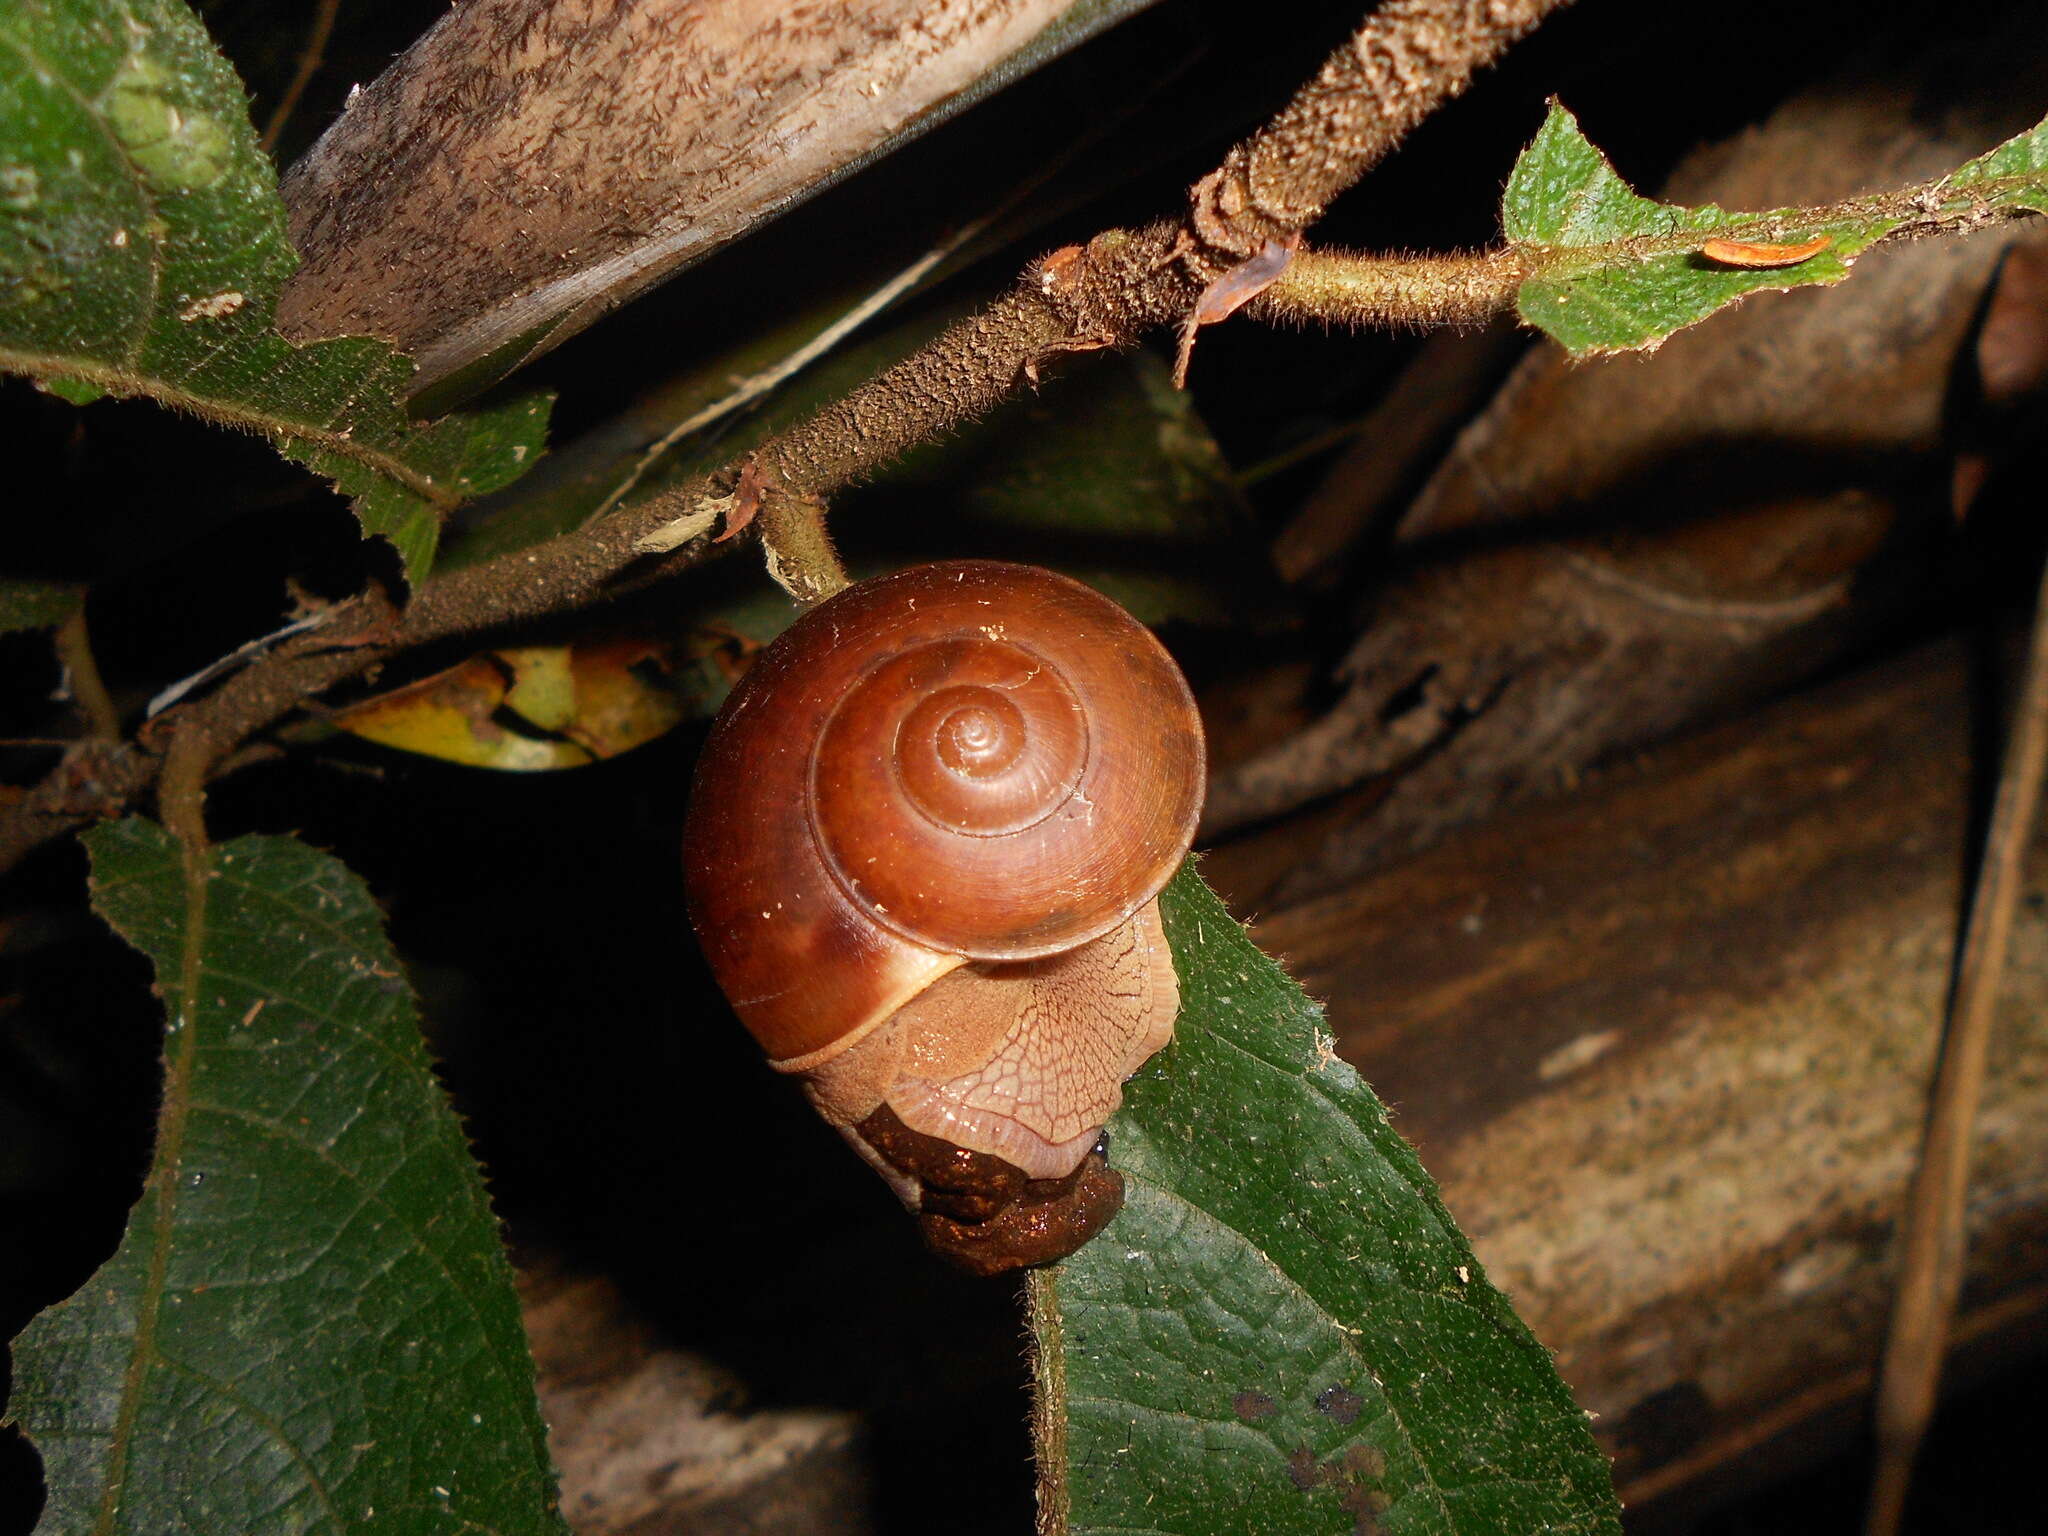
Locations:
(964, 372)
(1343, 288)
(1409, 57)
(1048, 1399)
(798, 550)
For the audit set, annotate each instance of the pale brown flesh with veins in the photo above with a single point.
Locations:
(1024, 1061)
(1020, 1063)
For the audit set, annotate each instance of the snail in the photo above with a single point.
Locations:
(923, 855)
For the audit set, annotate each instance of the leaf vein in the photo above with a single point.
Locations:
(1346, 1341)
(269, 1426)
(372, 1195)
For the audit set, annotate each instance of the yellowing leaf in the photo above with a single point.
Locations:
(454, 715)
(617, 707)
(543, 685)
(527, 708)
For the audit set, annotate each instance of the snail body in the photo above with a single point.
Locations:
(923, 855)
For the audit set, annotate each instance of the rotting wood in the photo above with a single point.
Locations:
(1665, 1042)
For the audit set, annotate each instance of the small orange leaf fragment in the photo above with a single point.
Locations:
(1744, 253)
(746, 500)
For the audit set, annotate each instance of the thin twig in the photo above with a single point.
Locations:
(1935, 1242)
(1409, 58)
(1123, 284)
(310, 58)
(754, 386)
(82, 675)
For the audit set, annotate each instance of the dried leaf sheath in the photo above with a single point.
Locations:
(595, 147)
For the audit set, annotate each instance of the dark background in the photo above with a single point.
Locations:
(627, 1124)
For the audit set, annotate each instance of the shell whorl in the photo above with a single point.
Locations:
(956, 794)
(969, 759)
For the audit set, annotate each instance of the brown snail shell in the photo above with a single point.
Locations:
(923, 855)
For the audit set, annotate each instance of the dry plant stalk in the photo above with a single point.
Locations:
(1934, 1246)
(528, 165)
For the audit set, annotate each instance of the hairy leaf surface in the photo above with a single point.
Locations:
(2014, 175)
(142, 249)
(1611, 271)
(309, 1324)
(1284, 1331)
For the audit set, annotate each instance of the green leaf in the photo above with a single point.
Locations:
(1283, 1330)
(309, 1324)
(1109, 475)
(30, 602)
(76, 391)
(2014, 175)
(142, 246)
(1613, 271)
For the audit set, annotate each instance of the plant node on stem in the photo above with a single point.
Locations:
(796, 547)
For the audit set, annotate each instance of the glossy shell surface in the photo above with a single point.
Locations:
(968, 760)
